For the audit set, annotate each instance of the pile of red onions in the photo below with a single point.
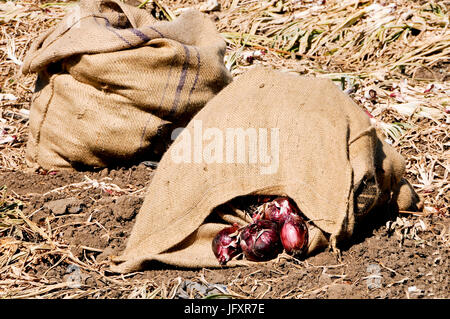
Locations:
(276, 225)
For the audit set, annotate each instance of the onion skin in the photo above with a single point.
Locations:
(279, 210)
(225, 244)
(260, 240)
(294, 235)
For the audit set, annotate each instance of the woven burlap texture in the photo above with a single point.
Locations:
(113, 81)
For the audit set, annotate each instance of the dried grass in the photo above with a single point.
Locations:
(392, 59)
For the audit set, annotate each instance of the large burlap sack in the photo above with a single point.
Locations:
(314, 144)
(113, 80)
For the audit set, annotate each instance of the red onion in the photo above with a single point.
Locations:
(260, 240)
(225, 245)
(279, 210)
(294, 235)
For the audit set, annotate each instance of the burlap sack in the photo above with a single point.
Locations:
(327, 158)
(113, 80)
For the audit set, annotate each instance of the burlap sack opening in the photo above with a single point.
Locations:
(329, 159)
(113, 81)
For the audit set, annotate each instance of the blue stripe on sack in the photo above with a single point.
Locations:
(196, 75)
(182, 81)
(141, 35)
(154, 29)
(109, 27)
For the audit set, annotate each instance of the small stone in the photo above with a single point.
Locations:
(69, 205)
(127, 207)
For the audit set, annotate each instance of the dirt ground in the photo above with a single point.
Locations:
(59, 229)
(93, 213)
